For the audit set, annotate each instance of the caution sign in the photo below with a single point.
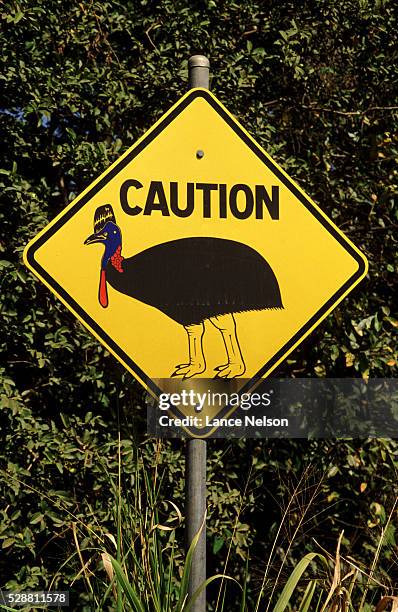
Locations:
(195, 255)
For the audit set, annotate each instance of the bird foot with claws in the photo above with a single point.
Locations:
(230, 370)
(187, 370)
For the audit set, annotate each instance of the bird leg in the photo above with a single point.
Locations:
(235, 366)
(197, 363)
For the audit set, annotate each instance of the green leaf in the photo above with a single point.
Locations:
(218, 543)
(308, 597)
(187, 569)
(190, 603)
(128, 590)
(293, 580)
(8, 542)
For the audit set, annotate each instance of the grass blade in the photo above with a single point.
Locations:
(198, 591)
(187, 568)
(128, 590)
(308, 596)
(292, 582)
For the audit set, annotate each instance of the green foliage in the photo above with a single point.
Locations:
(80, 81)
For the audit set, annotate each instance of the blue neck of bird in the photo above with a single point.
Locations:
(110, 249)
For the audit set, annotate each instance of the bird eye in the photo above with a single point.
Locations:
(114, 231)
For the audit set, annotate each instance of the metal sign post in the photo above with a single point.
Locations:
(195, 458)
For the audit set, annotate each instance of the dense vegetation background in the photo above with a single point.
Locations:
(315, 82)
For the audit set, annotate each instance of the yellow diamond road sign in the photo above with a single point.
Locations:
(194, 254)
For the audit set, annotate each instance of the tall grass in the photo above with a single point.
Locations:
(138, 565)
(146, 572)
(143, 567)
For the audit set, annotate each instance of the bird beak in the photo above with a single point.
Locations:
(95, 238)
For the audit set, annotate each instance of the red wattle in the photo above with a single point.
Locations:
(103, 293)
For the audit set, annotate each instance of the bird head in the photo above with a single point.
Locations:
(110, 236)
(107, 233)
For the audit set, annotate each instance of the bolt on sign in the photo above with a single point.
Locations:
(202, 257)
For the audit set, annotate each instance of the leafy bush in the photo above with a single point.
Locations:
(315, 84)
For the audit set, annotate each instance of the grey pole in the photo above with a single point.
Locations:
(195, 454)
(198, 67)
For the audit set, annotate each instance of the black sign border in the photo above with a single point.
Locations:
(193, 95)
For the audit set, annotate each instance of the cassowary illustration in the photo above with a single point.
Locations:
(191, 280)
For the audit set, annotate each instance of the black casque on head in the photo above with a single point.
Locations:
(102, 215)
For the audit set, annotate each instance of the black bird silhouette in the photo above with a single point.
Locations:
(190, 280)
